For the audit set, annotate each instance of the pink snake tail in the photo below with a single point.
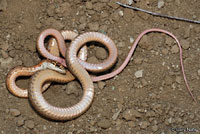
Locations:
(124, 64)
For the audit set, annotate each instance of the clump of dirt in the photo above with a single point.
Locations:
(149, 96)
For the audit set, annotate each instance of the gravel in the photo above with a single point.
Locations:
(89, 5)
(138, 60)
(15, 112)
(154, 128)
(131, 114)
(29, 124)
(5, 62)
(175, 49)
(115, 115)
(20, 122)
(101, 53)
(185, 44)
(73, 88)
(198, 72)
(121, 44)
(94, 26)
(101, 84)
(121, 13)
(161, 4)
(168, 80)
(144, 124)
(139, 73)
(3, 5)
(104, 123)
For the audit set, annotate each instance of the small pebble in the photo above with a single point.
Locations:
(115, 115)
(101, 84)
(6, 62)
(121, 44)
(131, 114)
(4, 54)
(103, 28)
(139, 74)
(129, 2)
(93, 59)
(82, 26)
(138, 60)
(93, 26)
(92, 129)
(101, 53)
(178, 2)
(131, 124)
(185, 44)
(4, 46)
(168, 80)
(179, 120)
(170, 120)
(15, 112)
(178, 79)
(155, 128)
(89, 5)
(29, 124)
(93, 122)
(50, 10)
(20, 122)
(150, 114)
(3, 5)
(39, 25)
(121, 13)
(98, 6)
(105, 14)
(12, 53)
(165, 51)
(144, 124)
(175, 49)
(169, 41)
(161, 3)
(146, 42)
(187, 32)
(64, 9)
(144, 82)
(198, 72)
(104, 123)
(131, 39)
(71, 88)
(192, 116)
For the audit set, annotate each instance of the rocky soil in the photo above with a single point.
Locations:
(148, 97)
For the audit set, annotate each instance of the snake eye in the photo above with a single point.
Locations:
(61, 67)
(54, 63)
(57, 64)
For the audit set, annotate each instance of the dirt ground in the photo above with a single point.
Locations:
(155, 102)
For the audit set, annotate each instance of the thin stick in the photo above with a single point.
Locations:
(158, 14)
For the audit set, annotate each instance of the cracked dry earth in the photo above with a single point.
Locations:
(148, 97)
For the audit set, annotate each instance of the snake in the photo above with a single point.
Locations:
(78, 69)
(45, 64)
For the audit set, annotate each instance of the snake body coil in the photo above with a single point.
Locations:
(78, 70)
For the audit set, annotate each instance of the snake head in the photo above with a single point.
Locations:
(52, 65)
